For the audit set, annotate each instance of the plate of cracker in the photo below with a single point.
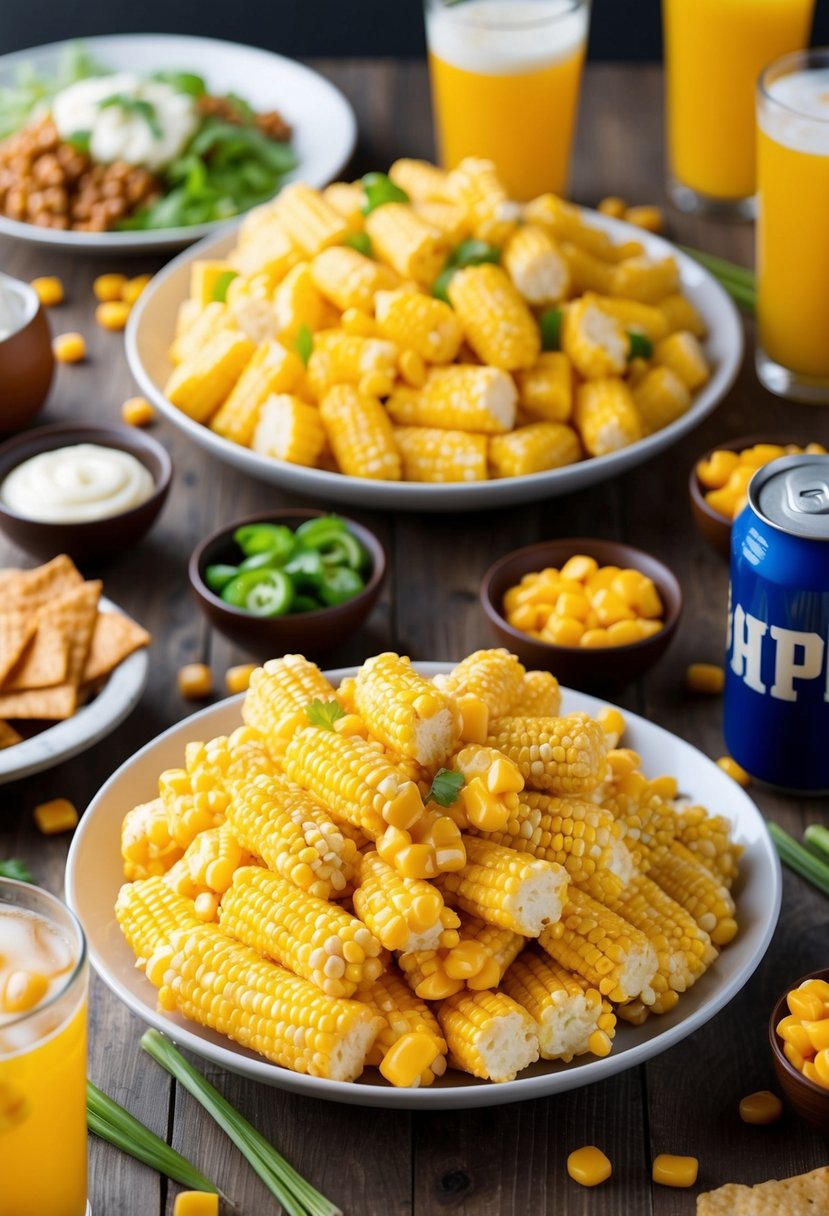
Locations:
(72, 666)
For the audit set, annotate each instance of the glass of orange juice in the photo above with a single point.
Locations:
(43, 1006)
(505, 86)
(714, 52)
(793, 227)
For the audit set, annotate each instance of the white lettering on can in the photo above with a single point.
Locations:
(786, 668)
(747, 635)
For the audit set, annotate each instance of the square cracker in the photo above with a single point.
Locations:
(8, 735)
(28, 590)
(803, 1195)
(45, 660)
(115, 636)
(77, 609)
(16, 629)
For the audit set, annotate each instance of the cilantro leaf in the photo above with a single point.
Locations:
(135, 105)
(15, 868)
(324, 713)
(445, 787)
(304, 343)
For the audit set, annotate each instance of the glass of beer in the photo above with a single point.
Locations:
(714, 52)
(43, 1010)
(793, 227)
(505, 86)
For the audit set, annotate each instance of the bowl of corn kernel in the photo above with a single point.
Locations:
(799, 1039)
(597, 613)
(718, 482)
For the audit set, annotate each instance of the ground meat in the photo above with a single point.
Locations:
(271, 123)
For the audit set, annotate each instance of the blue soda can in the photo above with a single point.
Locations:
(777, 647)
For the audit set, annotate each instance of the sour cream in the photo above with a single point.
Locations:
(150, 134)
(76, 484)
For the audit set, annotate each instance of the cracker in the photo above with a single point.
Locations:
(8, 735)
(46, 658)
(803, 1195)
(31, 589)
(115, 636)
(76, 610)
(16, 628)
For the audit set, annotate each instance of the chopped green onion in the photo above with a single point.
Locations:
(738, 281)
(640, 347)
(361, 241)
(472, 252)
(289, 1188)
(440, 287)
(222, 283)
(799, 859)
(817, 838)
(304, 343)
(379, 189)
(17, 869)
(116, 1125)
(550, 325)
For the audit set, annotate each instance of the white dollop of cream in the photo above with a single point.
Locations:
(151, 138)
(76, 484)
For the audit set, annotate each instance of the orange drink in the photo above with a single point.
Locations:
(43, 981)
(505, 86)
(714, 53)
(792, 227)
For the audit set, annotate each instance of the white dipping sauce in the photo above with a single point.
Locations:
(76, 484)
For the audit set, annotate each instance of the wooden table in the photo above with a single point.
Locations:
(511, 1159)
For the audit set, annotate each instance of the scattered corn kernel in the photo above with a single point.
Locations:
(196, 1203)
(670, 1170)
(734, 770)
(761, 1107)
(109, 287)
(589, 1166)
(112, 315)
(613, 206)
(137, 411)
(195, 681)
(69, 348)
(705, 677)
(59, 815)
(650, 218)
(132, 289)
(49, 289)
(237, 679)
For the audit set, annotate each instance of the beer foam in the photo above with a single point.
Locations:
(795, 111)
(506, 37)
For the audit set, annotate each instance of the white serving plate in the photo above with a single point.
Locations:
(323, 122)
(152, 323)
(93, 877)
(92, 722)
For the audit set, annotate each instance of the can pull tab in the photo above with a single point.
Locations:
(809, 496)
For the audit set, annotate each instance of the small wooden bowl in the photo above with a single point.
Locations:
(711, 525)
(809, 1101)
(572, 665)
(95, 540)
(27, 364)
(310, 633)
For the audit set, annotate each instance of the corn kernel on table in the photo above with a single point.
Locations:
(500, 1160)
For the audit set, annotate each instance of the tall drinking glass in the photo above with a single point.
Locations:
(505, 85)
(43, 1008)
(714, 52)
(793, 227)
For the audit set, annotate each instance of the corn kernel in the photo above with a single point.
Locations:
(761, 1107)
(650, 218)
(817, 1033)
(412, 368)
(714, 472)
(611, 607)
(589, 1166)
(821, 1063)
(196, 1203)
(405, 1062)
(625, 633)
(49, 290)
(804, 1004)
(112, 315)
(69, 348)
(593, 639)
(59, 815)
(791, 1030)
(646, 600)
(734, 770)
(109, 287)
(206, 905)
(563, 631)
(194, 681)
(670, 1170)
(579, 568)
(132, 289)
(137, 411)
(818, 987)
(575, 606)
(794, 1057)
(613, 206)
(612, 721)
(237, 679)
(600, 578)
(705, 677)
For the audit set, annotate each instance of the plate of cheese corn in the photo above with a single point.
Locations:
(417, 340)
(422, 885)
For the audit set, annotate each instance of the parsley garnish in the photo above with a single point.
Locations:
(324, 713)
(135, 105)
(15, 868)
(445, 787)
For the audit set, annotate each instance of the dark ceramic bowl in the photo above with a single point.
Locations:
(26, 360)
(807, 1099)
(96, 540)
(711, 525)
(310, 633)
(572, 665)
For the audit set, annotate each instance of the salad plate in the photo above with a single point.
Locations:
(152, 325)
(94, 876)
(322, 121)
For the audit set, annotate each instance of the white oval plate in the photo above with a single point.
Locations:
(92, 722)
(94, 875)
(152, 324)
(323, 122)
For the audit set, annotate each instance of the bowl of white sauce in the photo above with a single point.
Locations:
(89, 491)
(26, 360)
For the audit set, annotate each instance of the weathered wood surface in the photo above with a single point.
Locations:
(510, 1160)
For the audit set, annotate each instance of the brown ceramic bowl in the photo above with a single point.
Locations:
(310, 633)
(572, 665)
(94, 541)
(26, 360)
(711, 525)
(808, 1100)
